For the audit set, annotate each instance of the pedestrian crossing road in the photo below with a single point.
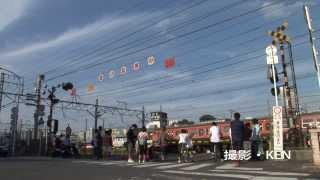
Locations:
(206, 169)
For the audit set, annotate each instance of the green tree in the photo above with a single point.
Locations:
(207, 117)
(185, 122)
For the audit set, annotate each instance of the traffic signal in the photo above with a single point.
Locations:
(273, 92)
(67, 86)
(270, 74)
(55, 126)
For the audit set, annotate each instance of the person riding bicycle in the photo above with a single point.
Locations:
(183, 139)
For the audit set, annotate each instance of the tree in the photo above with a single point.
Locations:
(207, 117)
(185, 122)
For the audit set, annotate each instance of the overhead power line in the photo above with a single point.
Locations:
(91, 65)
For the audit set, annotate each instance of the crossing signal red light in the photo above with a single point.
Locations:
(273, 91)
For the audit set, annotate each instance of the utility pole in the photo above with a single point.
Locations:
(1, 88)
(85, 132)
(96, 114)
(40, 80)
(143, 116)
(312, 41)
(286, 91)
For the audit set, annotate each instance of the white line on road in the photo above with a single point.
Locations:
(263, 172)
(239, 176)
(195, 167)
(173, 166)
(269, 177)
(233, 167)
(153, 165)
(105, 163)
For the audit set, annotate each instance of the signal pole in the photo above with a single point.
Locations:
(291, 102)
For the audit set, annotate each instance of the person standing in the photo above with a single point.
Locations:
(99, 143)
(215, 138)
(237, 134)
(247, 136)
(255, 139)
(108, 144)
(163, 142)
(131, 142)
(142, 143)
(183, 138)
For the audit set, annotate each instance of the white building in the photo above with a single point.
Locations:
(158, 120)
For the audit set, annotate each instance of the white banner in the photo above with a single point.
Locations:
(277, 129)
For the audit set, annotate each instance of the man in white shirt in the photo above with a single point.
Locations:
(215, 138)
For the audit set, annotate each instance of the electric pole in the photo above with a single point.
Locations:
(96, 114)
(143, 116)
(312, 41)
(40, 80)
(1, 88)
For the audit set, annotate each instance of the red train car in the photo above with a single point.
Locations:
(200, 132)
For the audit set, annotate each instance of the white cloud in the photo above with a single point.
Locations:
(73, 34)
(10, 10)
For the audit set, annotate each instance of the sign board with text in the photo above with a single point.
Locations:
(277, 129)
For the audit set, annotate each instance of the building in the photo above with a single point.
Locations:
(158, 120)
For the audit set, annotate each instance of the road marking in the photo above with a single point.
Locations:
(263, 172)
(105, 163)
(274, 177)
(173, 166)
(233, 167)
(152, 165)
(195, 167)
(239, 176)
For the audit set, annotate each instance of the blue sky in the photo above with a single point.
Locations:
(219, 48)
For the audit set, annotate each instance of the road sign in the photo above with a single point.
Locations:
(271, 50)
(277, 129)
(272, 59)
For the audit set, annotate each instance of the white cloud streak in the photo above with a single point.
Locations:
(75, 34)
(11, 10)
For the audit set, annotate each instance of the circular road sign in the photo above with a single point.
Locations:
(271, 50)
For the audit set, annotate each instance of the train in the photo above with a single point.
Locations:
(200, 133)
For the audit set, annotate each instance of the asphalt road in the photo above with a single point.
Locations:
(60, 169)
